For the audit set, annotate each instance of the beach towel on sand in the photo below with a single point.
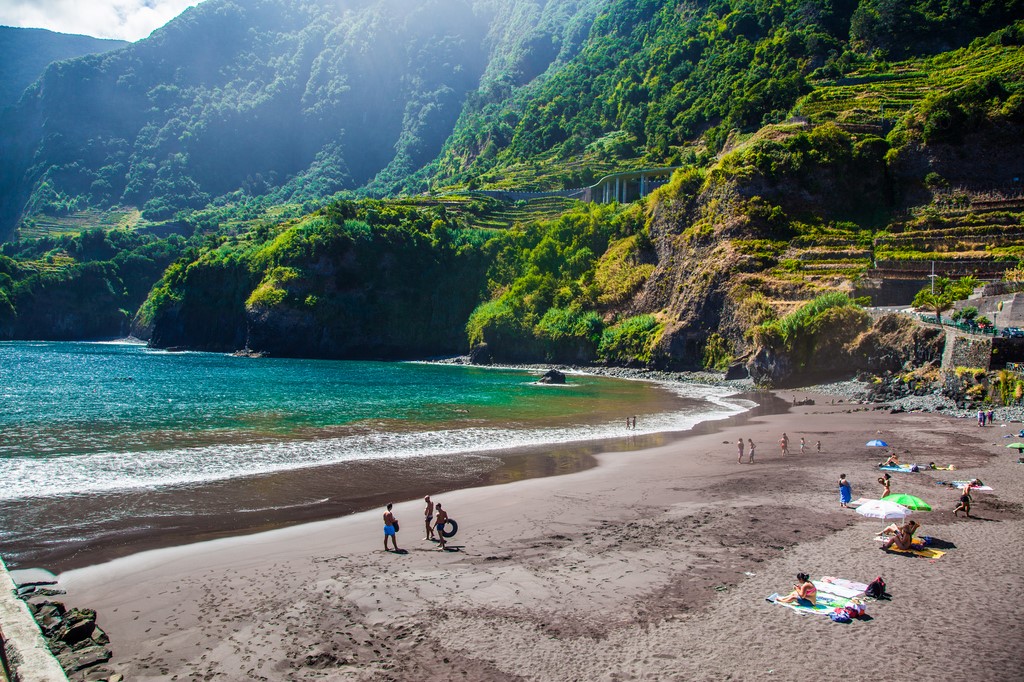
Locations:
(840, 587)
(919, 550)
(980, 488)
(902, 468)
(824, 604)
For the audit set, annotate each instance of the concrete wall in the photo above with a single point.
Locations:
(25, 652)
(1012, 314)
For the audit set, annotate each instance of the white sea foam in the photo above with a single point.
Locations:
(27, 477)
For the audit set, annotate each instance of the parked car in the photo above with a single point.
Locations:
(1013, 332)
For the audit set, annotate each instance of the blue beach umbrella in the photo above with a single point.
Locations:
(877, 444)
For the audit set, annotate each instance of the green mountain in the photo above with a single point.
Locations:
(818, 146)
(26, 52)
(270, 98)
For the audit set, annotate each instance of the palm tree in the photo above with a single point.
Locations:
(939, 302)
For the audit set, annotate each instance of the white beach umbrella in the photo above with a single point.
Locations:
(883, 509)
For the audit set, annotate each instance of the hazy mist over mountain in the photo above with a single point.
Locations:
(270, 97)
(26, 52)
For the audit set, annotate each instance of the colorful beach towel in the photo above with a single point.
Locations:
(825, 603)
(948, 467)
(840, 587)
(919, 550)
(926, 552)
(981, 488)
(901, 468)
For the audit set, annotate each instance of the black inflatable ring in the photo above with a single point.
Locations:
(443, 529)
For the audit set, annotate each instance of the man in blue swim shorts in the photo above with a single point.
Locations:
(390, 528)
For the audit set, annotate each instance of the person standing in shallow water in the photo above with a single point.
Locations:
(390, 531)
(739, 451)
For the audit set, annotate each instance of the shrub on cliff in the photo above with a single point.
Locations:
(630, 341)
(813, 339)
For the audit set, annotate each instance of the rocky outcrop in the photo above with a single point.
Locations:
(75, 639)
(892, 343)
(552, 376)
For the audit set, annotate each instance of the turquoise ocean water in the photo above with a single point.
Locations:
(110, 420)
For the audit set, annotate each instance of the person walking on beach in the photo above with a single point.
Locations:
(428, 515)
(390, 528)
(990, 415)
(817, 446)
(981, 417)
(845, 494)
(784, 444)
(440, 518)
(750, 449)
(739, 451)
(886, 485)
(803, 445)
(965, 502)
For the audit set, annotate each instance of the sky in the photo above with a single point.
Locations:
(122, 19)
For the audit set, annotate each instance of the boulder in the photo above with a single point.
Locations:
(78, 626)
(552, 376)
(72, 661)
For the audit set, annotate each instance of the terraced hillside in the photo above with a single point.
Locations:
(49, 226)
(888, 91)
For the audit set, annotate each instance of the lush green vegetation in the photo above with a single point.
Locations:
(83, 286)
(939, 296)
(823, 323)
(546, 295)
(25, 53)
(816, 140)
(336, 281)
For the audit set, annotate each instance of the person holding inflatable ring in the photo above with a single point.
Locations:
(440, 518)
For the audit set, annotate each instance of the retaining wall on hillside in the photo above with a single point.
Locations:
(26, 656)
(965, 350)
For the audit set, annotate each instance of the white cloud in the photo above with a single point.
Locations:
(123, 19)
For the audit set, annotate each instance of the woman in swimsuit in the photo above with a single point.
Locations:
(804, 592)
(845, 494)
(885, 481)
(904, 537)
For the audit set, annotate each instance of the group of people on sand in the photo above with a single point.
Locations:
(783, 445)
(435, 519)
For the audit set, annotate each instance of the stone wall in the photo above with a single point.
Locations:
(964, 350)
(26, 655)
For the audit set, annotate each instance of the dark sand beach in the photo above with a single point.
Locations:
(652, 565)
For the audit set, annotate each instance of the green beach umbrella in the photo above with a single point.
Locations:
(1019, 446)
(908, 501)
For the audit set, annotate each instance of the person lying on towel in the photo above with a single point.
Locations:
(893, 461)
(804, 592)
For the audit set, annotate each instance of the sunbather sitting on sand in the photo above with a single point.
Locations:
(804, 592)
(904, 537)
(894, 460)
